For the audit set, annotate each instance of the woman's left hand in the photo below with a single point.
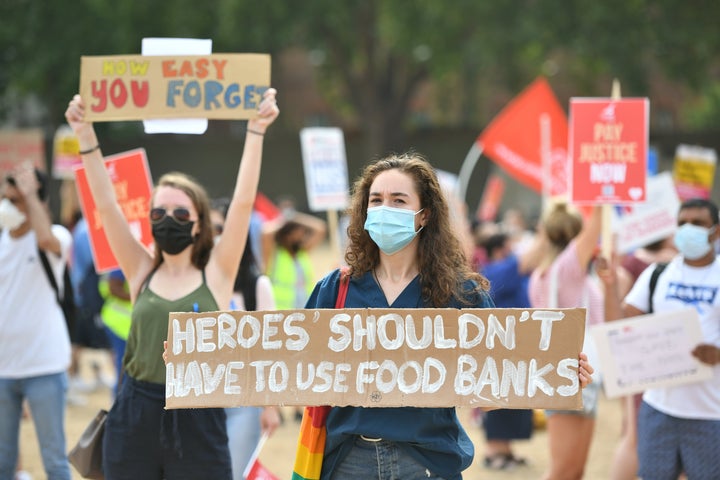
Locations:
(585, 370)
(269, 420)
(267, 112)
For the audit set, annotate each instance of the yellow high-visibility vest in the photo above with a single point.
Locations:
(116, 313)
(283, 274)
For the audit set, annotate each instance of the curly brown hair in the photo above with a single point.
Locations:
(204, 239)
(441, 261)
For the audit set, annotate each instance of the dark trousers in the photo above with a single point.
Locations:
(144, 441)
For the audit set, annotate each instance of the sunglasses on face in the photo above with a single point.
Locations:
(181, 215)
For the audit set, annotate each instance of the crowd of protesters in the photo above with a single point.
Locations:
(549, 263)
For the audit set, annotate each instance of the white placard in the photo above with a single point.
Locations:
(176, 46)
(650, 351)
(325, 165)
(643, 223)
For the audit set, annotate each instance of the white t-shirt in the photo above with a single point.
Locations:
(33, 335)
(680, 286)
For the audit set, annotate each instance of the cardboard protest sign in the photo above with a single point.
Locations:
(638, 225)
(16, 146)
(532, 126)
(694, 171)
(133, 187)
(325, 166)
(608, 149)
(136, 87)
(66, 153)
(176, 46)
(510, 358)
(650, 351)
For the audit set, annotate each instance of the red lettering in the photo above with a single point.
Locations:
(186, 69)
(118, 93)
(202, 67)
(140, 92)
(98, 92)
(168, 68)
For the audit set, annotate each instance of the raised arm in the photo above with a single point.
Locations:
(587, 239)
(225, 256)
(135, 261)
(37, 212)
(615, 308)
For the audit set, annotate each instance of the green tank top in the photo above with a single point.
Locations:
(143, 353)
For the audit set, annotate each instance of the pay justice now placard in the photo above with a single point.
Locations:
(510, 358)
(137, 87)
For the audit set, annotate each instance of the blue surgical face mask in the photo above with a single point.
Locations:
(693, 241)
(391, 228)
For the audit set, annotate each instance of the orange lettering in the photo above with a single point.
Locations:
(186, 69)
(168, 67)
(219, 67)
(201, 66)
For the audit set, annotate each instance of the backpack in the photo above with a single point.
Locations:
(67, 299)
(653, 283)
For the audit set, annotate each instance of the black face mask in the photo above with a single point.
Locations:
(172, 237)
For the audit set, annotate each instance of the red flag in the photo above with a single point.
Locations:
(266, 207)
(514, 139)
(259, 472)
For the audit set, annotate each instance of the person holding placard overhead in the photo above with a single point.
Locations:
(402, 253)
(562, 280)
(678, 427)
(186, 272)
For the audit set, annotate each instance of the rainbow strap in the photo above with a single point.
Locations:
(311, 444)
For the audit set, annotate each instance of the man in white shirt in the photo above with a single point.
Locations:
(679, 427)
(34, 341)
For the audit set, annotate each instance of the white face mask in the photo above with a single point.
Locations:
(10, 217)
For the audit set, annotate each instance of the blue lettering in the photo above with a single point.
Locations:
(173, 91)
(232, 98)
(192, 96)
(250, 97)
(691, 293)
(212, 89)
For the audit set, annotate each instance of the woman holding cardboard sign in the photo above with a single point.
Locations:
(184, 273)
(402, 254)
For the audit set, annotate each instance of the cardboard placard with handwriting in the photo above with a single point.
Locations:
(509, 358)
(137, 87)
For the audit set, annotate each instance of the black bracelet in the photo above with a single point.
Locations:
(255, 132)
(90, 150)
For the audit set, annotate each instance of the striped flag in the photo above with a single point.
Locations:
(311, 444)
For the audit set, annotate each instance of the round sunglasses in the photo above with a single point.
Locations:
(181, 215)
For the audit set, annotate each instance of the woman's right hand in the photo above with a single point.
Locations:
(75, 116)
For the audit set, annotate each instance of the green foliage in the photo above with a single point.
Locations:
(373, 56)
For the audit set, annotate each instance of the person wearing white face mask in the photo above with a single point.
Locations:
(34, 341)
(679, 426)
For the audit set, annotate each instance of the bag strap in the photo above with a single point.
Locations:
(49, 274)
(653, 283)
(343, 288)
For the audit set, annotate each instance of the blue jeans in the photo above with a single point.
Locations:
(45, 395)
(380, 460)
(243, 431)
